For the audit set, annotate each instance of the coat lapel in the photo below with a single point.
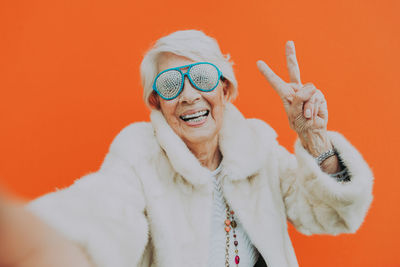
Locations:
(256, 208)
(239, 145)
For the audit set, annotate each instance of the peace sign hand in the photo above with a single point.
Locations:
(305, 105)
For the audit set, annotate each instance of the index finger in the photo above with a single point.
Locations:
(292, 65)
(276, 82)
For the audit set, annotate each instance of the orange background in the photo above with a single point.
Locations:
(69, 81)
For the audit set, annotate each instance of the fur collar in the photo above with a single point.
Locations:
(243, 149)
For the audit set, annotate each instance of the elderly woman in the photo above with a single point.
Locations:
(200, 185)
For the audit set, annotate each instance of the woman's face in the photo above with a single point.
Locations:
(208, 105)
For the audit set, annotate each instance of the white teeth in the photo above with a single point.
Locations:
(196, 119)
(194, 115)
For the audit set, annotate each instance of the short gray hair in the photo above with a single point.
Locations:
(192, 44)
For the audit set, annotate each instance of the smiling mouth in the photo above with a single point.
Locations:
(195, 117)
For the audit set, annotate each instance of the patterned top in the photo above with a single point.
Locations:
(247, 252)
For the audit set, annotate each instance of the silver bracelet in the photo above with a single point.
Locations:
(341, 176)
(325, 155)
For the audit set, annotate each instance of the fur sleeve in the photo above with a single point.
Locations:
(315, 202)
(103, 212)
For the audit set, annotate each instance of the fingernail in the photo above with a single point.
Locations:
(308, 113)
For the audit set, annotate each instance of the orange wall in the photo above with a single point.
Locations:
(69, 81)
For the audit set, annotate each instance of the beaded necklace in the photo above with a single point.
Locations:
(230, 224)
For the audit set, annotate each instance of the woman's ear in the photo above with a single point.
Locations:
(154, 101)
(227, 89)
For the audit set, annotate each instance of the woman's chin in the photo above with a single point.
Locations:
(199, 134)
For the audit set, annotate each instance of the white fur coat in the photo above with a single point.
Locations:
(150, 202)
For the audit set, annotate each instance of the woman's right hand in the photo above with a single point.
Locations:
(26, 241)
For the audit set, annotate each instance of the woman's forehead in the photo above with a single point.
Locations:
(169, 60)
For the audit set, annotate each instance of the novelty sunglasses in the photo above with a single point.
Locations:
(204, 76)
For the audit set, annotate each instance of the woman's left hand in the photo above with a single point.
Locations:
(305, 105)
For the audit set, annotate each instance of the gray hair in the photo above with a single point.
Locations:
(192, 44)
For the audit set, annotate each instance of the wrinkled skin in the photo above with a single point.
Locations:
(305, 106)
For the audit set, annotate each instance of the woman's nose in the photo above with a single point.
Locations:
(189, 94)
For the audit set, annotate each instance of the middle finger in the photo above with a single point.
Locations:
(292, 64)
